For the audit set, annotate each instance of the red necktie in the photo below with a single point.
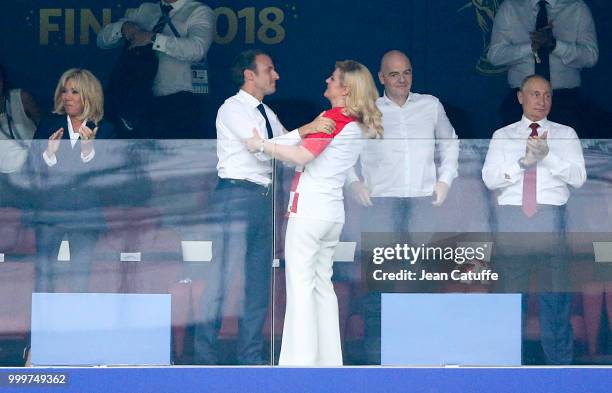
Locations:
(530, 182)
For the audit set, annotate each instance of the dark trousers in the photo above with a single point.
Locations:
(541, 248)
(182, 115)
(240, 226)
(406, 215)
(569, 108)
(77, 271)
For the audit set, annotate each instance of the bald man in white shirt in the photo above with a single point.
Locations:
(402, 188)
(530, 165)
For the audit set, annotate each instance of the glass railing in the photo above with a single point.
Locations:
(144, 256)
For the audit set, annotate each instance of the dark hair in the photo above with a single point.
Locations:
(245, 61)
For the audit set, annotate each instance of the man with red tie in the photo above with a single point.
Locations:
(530, 164)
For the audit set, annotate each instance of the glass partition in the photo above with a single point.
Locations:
(142, 217)
(153, 217)
(401, 214)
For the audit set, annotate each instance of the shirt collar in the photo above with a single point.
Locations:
(551, 3)
(248, 99)
(525, 123)
(72, 133)
(177, 5)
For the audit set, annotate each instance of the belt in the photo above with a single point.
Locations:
(265, 190)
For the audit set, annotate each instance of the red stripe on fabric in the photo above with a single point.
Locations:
(295, 181)
(294, 185)
(294, 205)
(316, 143)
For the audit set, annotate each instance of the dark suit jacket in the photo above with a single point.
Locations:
(66, 193)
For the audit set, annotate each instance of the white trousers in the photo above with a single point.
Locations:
(311, 333)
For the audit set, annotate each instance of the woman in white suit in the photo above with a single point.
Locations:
(311, 334)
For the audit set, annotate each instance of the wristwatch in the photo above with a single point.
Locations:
(521, 163)
(261, 148)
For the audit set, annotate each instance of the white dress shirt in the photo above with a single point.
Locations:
(573, 28)
(563, 165)
(318, 185)
(74, 137)
(236, 119)
(193, 21)
(402, 163)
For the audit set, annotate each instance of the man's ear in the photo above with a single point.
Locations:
(249, 75)
(519, 96)
(381, 78)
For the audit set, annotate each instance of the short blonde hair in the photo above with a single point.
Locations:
(362, 95)
(89, 88)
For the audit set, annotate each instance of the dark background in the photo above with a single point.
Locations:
(442, 37)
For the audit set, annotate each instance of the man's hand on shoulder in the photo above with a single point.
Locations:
(319, 124)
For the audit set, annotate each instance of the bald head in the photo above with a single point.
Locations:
(391, 57)
(396, 75)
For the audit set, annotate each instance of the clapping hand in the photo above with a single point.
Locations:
(537, 149)
(135, 35)
(140, 38)
(543, 38)
(129, 29)
(87, 137)
(54, 142)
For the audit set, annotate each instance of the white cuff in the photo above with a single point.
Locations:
(116, 34)
(525, 50)
(160, 43)
(446, 178)
(514, 173)
(88, 157)
(561, 49)
(49, 160)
